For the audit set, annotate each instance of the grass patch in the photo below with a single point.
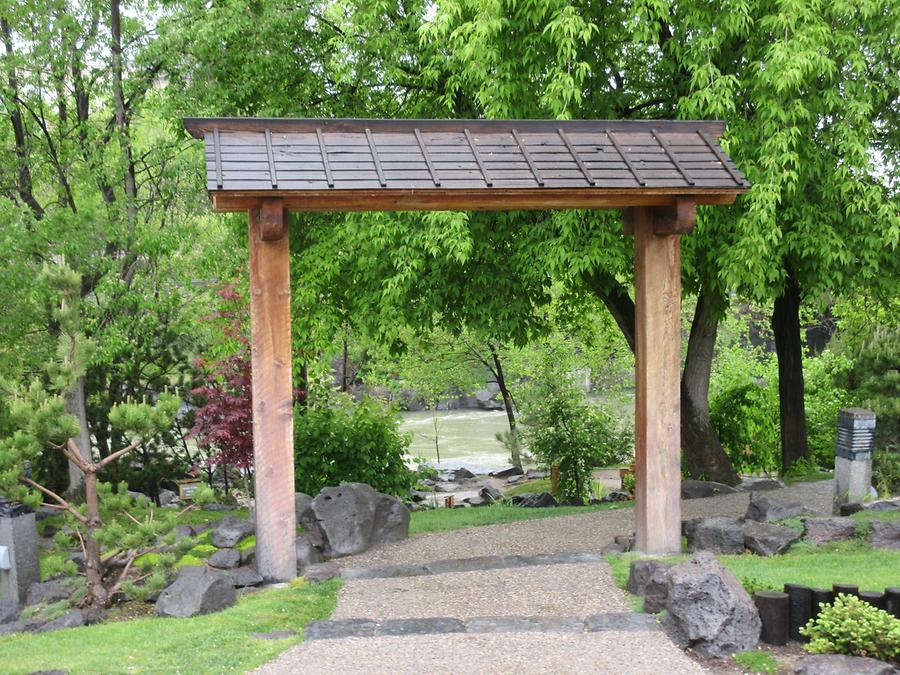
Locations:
(439, 520)
(850, 562)
(214, 643)
(806, 476)
(536, 486)
(758, 662)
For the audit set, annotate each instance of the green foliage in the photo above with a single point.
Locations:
(339, 440)
(440, 520)
(628, 483)
(758, 662)
(753, 584)
(886, 471)
(825, 394)
(561, 427)
(852, 626)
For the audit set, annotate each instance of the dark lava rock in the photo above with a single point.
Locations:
(824, 530)
(768, 539)
(490, 494)
(640, 571)
(321, 572)
(12, 627)
(507, 472)
(760, 484)
(350, 518)
(462, 474)
(615, 496)
(885, 534)
(225, 559)
(656, 592)
(536, 473)
(49, 592)
(343, 628)
(543, 500)
(241, 577)
(72, 619)
(698, 489)
(307, 554)
(196, 590)
(840, 664)
(9, 611)
(626, 540)
(719, 535)
(708, 609)
(229, 531)
(301, 503)
(763, 508)
(430, 626)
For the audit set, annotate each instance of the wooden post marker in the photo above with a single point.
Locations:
(657, 422)
(273, 421)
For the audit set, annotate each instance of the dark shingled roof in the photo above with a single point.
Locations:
(248, 158)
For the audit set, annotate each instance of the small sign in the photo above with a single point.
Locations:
(187, 488)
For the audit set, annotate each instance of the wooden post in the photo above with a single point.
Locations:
(657, 422)
(273, 421)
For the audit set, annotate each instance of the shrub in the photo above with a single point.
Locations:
(338, 440)
(852, 626)
(886, 471)
(743, 418)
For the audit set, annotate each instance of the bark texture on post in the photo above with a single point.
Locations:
(273, 421)
(657, 368)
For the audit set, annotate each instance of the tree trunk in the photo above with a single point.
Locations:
(76, 406)
(508, 406)
(93, 571)
(700, 446)
(703, 452)
(786, 327)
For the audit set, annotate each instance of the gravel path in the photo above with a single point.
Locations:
(580, 532)
(547, 590)
(553, 591)
(559, 653)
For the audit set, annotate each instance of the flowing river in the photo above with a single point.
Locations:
(467, 436)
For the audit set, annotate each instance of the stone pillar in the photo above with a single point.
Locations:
(19, 563)
(853, 456)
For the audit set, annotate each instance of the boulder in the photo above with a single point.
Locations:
(225, 559)
(350, 518)
(507, 472)
(543, 500)
(656, 592)
(183, 531)
(248, 556)
(9, 611)
(625, 540)
(444, 486)
(719, 535)
(72, 619)
(885, 534)
(229, 531)
(841, 664)
(513, 480)
(167, 498)
(824, 530)
(536, 473)
(639, 573)
(698, 489)
(476, 501)
(708, 609)
(307, 554)
(462, 473)
(767, 538)
(764, 509)
(49, 592)
(12, 627)
(417, 495)
(490, 494)
(615, 496)
(391, 521)
(244, 576)
(79, 560)
(301, 503)
(196, 590)
(754, 484)
(321, 572)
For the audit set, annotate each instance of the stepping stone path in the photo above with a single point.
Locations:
(525, 597)
(514, 613)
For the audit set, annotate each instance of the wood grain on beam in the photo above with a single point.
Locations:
(271, 219)
(676, 219)
(657, 397)
(273, 421)
(425, 199)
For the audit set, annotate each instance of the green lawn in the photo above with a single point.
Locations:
(438, 520)
(214, 643)
(848, 562)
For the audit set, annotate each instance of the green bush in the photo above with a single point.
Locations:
(745, 417)
(561, 427)
(824, 378)
(886, 471)
(339, 440)
(852, 626)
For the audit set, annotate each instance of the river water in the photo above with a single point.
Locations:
(467, 436)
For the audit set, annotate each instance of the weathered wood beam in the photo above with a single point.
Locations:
(678, 218)
(273, 421)
(657, 368)
(483, 199)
